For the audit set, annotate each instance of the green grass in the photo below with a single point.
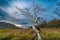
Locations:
(27, 34)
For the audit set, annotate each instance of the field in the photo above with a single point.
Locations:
(28, 34)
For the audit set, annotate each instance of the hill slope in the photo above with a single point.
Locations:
(54, 23)
(7, 25)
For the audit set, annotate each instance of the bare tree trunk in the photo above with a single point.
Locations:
(38, 34)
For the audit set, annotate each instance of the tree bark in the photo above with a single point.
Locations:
(38, 34)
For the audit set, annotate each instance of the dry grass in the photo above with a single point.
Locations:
(27, 34)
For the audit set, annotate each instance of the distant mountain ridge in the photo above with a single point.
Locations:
(7, 25)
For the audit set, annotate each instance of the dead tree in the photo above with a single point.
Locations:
(33, 18)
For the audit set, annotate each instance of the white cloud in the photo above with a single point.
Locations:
(18, 25)
(12, 11)
(21, 5)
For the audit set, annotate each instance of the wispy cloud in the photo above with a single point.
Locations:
(11, 10)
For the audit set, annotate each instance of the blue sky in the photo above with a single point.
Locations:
(7, 9)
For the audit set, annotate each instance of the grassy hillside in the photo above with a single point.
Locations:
(54, 23)
(27, 34)
(51, 24)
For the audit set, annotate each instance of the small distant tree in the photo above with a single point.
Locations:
(26, 11)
